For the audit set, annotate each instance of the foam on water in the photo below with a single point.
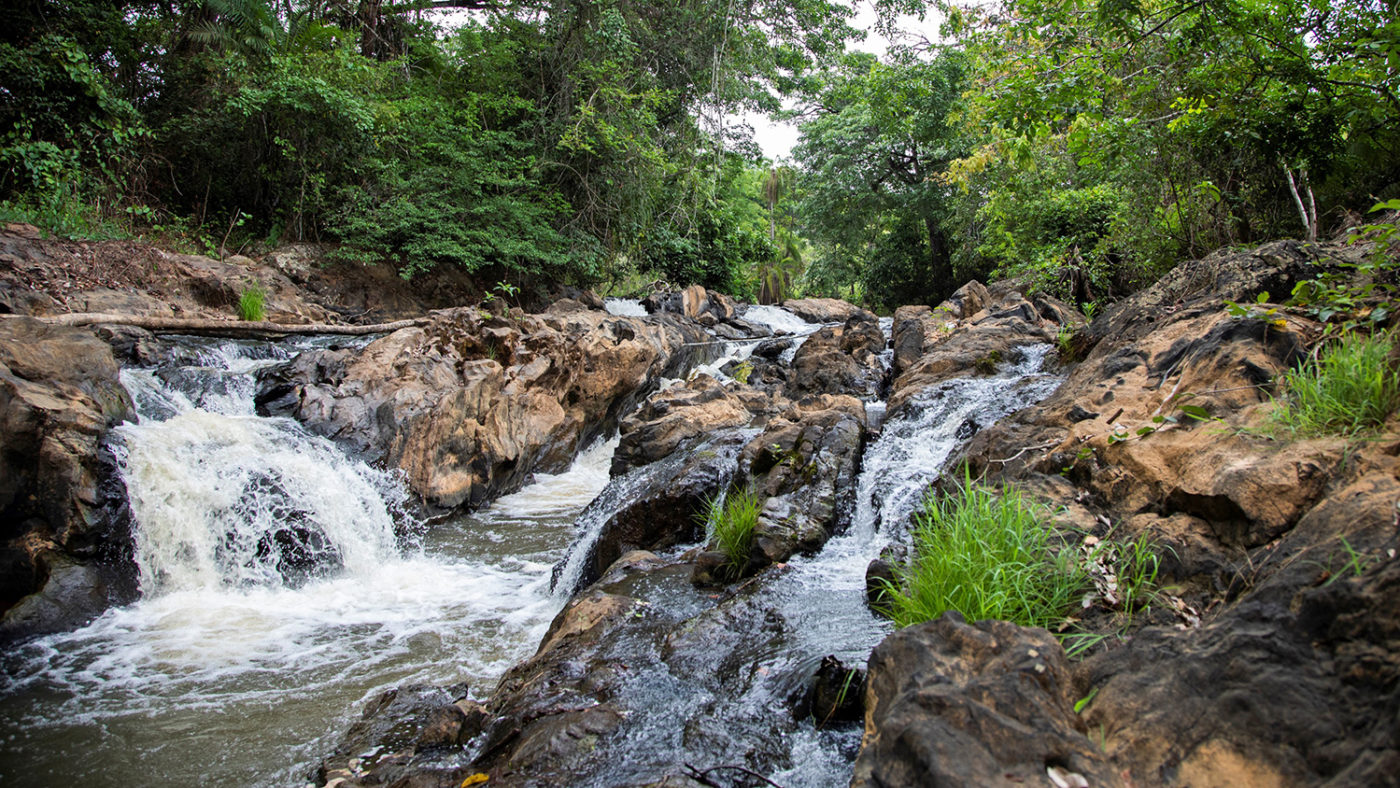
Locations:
(624, 307)
(227, 673)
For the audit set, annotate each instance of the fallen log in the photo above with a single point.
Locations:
(231, 328)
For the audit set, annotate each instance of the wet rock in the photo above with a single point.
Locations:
(959, 704)
(472, 404)
(394, 727)
(837, 694)
(933, 345)
(63, 520)
(659, 505)
(879, 578)
(681, 415)
(804, 467)
(843, 359)
(822, 310)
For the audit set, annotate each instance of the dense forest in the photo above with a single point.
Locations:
(1085, 144)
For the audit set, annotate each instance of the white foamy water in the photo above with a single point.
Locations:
(236, 669)
(780, 320)
(624, 307)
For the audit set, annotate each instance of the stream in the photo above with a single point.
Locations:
(284, 584)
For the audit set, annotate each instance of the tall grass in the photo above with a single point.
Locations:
(732, 519)
(252, 304)
(985, 555)
(1346, 389)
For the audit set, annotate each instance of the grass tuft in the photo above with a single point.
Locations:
(985, 555)
(252, 304)
(1346, 389)
(732, 519)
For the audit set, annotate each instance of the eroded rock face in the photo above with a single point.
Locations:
(1292, 684)
(976, 330)
(958, 704)
(679, 416)
(472, 404)
(822, 310)
(67, 544)
(1268, 661)
(843, 359)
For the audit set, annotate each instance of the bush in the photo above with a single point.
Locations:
(984, 555)
(731, 520)
(1346, 389)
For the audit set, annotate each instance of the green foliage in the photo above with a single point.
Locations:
(1347, 388)
(731, 520)
(1361, 294)
(252, 304)
(985, 554)
(872, 201)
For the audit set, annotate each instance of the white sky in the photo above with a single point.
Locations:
(777, 139)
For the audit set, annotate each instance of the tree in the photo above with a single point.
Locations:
(873, 150)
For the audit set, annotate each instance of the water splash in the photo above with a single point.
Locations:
(624, 307)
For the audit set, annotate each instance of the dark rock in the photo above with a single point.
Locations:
(837, 694)
(958, 704)
(659, 505)
(879, 578)
(804, 467)
(840, 360)
(1077, 414)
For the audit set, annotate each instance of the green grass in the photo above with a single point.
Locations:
(732, 519)
(1346, 389)
(985, 555)
(251, 304)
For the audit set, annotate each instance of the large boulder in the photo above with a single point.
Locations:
(822, 310)
(842, 359)
(471, 404)
(65, 530)
(950, 703)
(681, 415)
(804, 467)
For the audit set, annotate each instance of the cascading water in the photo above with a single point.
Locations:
(715, 683)
(275, 596)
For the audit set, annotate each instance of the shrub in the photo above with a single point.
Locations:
(1346, 389)
(251, 304)
(731, 520)
(985, 555)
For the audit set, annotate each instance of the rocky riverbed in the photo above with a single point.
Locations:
(1266, 658)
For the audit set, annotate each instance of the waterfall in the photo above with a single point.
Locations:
(223, 497)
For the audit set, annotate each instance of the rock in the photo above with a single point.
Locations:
(958, 704)
(837, 693)
(677, 417)
(1291, 684)
(472, 404)
(395, 727)
(842, 359)
(804, 467)
(64, 524)
(823, 310)
(933, 345)
(658, 505)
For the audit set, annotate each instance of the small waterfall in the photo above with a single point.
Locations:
(223, 497)
(276, 598)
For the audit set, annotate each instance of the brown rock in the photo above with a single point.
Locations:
(958, 704)
(823, 310)
(64, 530)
